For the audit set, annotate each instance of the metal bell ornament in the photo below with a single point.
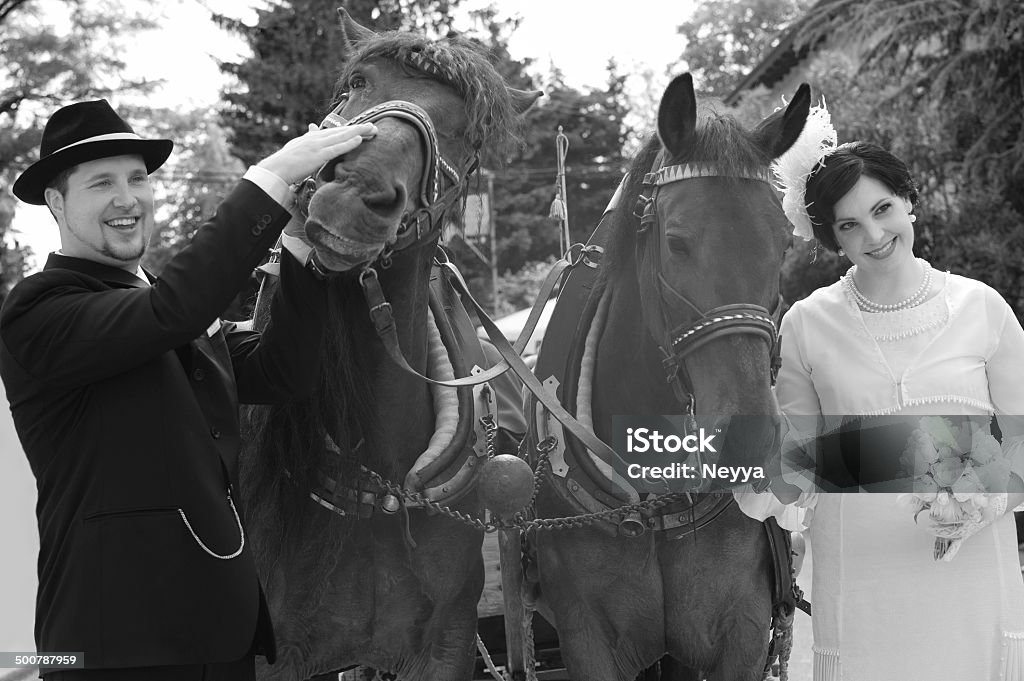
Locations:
(505, 484)
(390, 504)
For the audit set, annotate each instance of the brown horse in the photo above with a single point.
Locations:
(360, 577)
(697, 227)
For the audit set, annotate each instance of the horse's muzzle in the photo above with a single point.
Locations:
(337, 253)
(750, 440)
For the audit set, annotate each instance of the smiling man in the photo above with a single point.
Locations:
(108, 214)
(125, 388)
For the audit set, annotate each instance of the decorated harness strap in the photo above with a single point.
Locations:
(688, 171)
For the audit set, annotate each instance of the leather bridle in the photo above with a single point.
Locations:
(678, 343)
(426, 221)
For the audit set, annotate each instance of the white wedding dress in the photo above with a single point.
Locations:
(883, 608)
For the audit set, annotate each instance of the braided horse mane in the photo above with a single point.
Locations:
(293, 437)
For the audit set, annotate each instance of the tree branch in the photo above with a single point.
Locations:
(8, 6)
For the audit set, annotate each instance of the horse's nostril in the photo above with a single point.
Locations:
(313, 228)
(329, 171)
(388, 201)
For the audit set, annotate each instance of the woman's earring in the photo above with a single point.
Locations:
(842, 253)
(913, 218)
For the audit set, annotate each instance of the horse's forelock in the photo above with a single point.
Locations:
(461, 64)
(721, 141)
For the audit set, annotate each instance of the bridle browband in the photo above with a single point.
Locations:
(725, 320)
(433, 200)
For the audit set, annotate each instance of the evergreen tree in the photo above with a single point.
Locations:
(726, 39)
(194, 181)
(13, 256)
(524, 190)
(190, 186)
(42, 67)
(942, 86)
(289, 80)
(274, 100)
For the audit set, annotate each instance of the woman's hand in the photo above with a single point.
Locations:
(1014, 492)
(783, 491)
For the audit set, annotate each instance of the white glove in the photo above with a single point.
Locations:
(953, 522)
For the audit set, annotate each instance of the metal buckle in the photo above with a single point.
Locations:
(640, 207)
(366, 272)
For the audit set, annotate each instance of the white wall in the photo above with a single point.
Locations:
(19, 539)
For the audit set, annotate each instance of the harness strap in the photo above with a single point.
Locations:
(430, 183)
(712, 324)
(420, 475)
(426, 220)
(686, 171)
(550, 402)
(725, 321)
(433, 203)
(384, 323)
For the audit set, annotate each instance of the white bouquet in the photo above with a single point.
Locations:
(959, 475)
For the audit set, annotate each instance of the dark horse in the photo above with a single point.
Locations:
(692, 582)
(372, 581)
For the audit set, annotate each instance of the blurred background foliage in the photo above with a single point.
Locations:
(938, 82)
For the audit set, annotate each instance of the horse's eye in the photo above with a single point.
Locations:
(356, 82)
(676, 244)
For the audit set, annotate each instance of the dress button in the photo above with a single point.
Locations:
(265, 220)
(256, 230)
(215, 433)
(198, 374)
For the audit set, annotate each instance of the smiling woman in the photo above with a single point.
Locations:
(860, 202)
(895, 338)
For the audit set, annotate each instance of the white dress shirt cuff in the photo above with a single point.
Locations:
(297, 247)
(274, 186)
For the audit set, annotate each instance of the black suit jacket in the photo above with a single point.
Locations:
(128, 412)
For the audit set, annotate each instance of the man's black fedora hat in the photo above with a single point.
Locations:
(84, 132)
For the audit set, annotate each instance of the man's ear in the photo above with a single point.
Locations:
(55, 202)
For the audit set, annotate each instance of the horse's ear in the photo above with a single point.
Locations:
(522, 100)
(352, 31)
(779, 131)
(677, 115)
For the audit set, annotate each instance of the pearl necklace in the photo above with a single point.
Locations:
(913, 301)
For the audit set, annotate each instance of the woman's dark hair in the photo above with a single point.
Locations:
(836, 176)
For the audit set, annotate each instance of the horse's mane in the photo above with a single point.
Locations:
(719, 140)
(287, 444)
(461, 64)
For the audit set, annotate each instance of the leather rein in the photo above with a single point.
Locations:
(677, 343)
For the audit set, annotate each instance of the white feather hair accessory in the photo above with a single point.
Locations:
(793, 168)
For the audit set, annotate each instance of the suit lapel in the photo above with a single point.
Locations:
(211, 354)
